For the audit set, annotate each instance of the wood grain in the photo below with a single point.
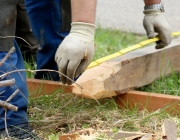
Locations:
(44, 87)
(132, 99)
(149, 101)
(134, 69)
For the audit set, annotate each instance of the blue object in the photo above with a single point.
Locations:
(15, 62)
(46, 22)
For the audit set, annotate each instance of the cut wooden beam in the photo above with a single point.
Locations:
(134, 69)
(119, 75)
(149, 101)
(44, 87)
(132, 99)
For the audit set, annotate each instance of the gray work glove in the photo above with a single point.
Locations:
(76, 51)
(155, 24)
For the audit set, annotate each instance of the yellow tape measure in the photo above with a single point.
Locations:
(126, 50)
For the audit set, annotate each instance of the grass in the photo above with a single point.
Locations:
(61, 113)
(31, 65)
(166, 85)
(110, 41)
(51, 117)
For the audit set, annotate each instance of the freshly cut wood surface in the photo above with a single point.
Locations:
(134, 69)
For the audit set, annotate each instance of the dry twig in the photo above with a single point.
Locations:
(6, 122)
(7, 82)
(12, 96)
(7, 55)
(15, 37)
(7, 105)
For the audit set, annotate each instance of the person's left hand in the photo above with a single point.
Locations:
(156, 24)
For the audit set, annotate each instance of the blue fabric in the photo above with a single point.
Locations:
(20, 100)
(46, 21)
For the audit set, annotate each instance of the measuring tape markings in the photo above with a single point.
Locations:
(126, 50)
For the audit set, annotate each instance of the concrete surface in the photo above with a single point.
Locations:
(127, 15)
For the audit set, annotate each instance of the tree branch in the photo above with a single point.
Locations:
(7, 82)
(12, 50)
(7, 105)
(12, 96)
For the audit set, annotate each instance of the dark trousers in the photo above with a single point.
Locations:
(50, 21)
(23, 30)
(15, 62)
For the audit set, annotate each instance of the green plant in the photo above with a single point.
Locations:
(60, 113)
(110, 41)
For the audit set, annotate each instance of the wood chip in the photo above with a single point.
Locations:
(169, 130)
(147, 137)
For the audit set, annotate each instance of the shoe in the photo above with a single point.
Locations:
(20, 132)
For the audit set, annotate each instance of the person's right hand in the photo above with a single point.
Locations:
(76, 51)
(156, 25)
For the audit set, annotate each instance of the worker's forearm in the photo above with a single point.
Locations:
(150, 2)
(83, 11)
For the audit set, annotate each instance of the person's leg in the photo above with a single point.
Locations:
(8, 11)
(17, 122)
(23, 30)
(50, 21)
(15, 62)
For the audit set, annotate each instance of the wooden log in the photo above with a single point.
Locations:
(134, 69)
(149, 101)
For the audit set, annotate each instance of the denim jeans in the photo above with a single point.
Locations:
(14, 62)
(50, 21)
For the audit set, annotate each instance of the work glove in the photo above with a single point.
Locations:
(155, 24)
(76, 51)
